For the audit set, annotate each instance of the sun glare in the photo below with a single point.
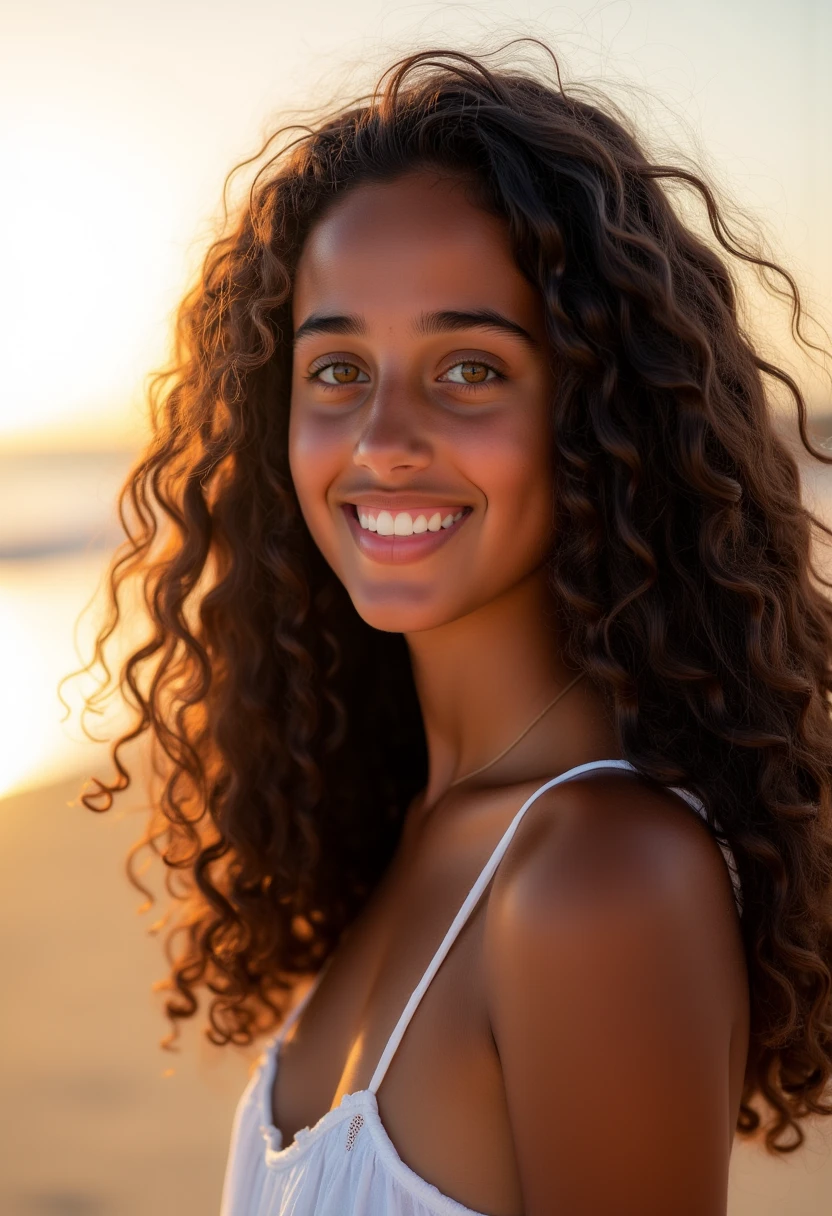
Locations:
(39, 606)
(86, 275)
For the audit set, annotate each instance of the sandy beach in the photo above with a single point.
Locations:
(95, 1123)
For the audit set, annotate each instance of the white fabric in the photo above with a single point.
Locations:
(346, 1164)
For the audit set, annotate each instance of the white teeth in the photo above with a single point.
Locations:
(402, 523)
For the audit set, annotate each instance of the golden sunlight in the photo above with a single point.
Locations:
(84, 307)
(37, 746)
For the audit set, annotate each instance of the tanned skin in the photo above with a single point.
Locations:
(581, 1050)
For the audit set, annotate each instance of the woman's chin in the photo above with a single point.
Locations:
(403, 610)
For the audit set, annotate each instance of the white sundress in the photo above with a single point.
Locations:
(346, 1164)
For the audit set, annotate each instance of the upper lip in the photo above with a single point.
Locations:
(402, 502)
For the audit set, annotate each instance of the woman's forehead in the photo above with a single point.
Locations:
(404, 247)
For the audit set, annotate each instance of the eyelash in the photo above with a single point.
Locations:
(498, 375)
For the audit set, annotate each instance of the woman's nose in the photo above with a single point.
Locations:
(392, 437)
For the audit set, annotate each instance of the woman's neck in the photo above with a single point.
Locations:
(482, 678)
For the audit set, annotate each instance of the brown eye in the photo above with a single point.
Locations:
(339, 373)
(470, 372)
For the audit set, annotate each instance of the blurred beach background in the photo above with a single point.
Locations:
(117, 126)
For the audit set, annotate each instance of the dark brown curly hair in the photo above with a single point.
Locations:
(286, 734)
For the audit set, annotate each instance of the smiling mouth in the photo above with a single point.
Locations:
(402, 536)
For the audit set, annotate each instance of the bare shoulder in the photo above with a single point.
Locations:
(612, 847)
(616, 987)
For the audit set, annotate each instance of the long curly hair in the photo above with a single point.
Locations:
(286, 736)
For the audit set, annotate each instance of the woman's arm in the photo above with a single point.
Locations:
(616, 982)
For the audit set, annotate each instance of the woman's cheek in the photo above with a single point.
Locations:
(314, 463)
(513, 468)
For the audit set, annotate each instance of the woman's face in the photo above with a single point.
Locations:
(419, 440)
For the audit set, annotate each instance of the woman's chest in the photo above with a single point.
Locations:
(441, 1100)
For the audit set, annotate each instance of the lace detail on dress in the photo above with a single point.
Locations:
(356, 1123)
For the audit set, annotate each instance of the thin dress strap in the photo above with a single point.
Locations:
(487, 873)
(464, 912)
(726, 851)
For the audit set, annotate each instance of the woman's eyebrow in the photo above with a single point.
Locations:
(480, 318)
(321, 323)
(427, 323)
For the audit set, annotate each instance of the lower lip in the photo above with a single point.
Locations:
(397, 549)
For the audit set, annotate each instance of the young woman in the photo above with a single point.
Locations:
(488, 672)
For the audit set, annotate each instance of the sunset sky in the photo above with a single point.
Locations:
(119, 122)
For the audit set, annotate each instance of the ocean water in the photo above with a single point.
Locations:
(58, 528)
